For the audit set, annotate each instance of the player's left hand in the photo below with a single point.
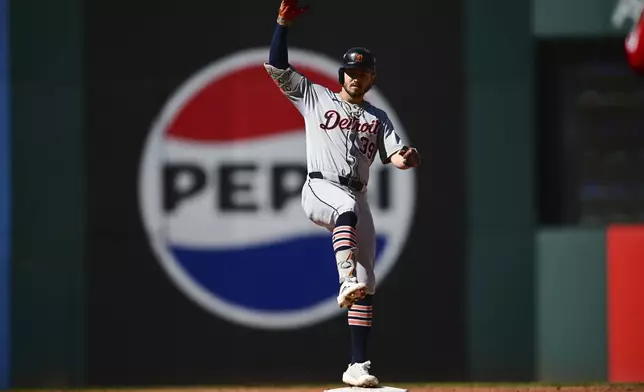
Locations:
(411, 157)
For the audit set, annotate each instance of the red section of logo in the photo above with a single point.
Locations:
(244, 104)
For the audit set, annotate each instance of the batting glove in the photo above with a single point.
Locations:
(289, 11)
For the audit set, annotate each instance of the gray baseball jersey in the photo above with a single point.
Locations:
(341, 139)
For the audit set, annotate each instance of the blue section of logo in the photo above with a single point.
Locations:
(280, 276)
(5, 218)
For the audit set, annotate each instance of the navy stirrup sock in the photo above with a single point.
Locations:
(360, 316)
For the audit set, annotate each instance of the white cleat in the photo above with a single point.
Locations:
(351, 292)
(357, 375)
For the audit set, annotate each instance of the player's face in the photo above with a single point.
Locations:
(356, 81)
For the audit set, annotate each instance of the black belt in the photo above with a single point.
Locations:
(352, 183)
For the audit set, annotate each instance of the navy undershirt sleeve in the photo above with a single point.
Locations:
(278, 55)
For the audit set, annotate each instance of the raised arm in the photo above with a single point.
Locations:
(295, 86)
(278, 55)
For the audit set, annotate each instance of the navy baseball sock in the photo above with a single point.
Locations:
(360, 316)
(345, 244)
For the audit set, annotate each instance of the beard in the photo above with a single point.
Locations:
(354, 94)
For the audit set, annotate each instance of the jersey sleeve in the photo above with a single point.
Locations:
(295, 86)
(389, 142)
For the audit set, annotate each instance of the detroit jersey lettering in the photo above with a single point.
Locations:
(341, 138)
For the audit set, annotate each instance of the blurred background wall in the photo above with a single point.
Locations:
(5, 220)
(521, 251)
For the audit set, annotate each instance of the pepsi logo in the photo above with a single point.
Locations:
(220, 183)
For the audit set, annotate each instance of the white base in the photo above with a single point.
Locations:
(375, 389)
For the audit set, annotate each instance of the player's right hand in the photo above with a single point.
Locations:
(289, 11)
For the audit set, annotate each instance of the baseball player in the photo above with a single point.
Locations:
(344, 134)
